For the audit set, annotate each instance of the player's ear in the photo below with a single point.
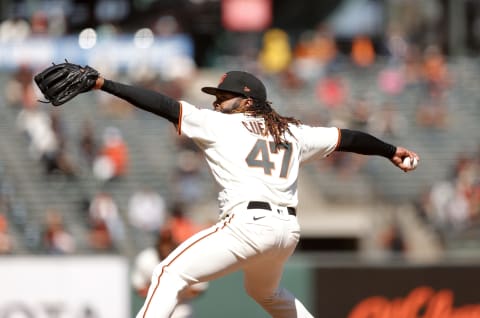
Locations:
(248, 102)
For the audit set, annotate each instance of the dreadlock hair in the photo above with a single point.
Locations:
(277, 125)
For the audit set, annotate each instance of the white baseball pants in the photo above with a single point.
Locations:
(256, 241)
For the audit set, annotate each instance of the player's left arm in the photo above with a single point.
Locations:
(149, 100)
(366, 144)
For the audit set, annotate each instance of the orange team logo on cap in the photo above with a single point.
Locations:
(224, 76)
(246, 89)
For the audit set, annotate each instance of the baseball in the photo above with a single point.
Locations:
(410, 163)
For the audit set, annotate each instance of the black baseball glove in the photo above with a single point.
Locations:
(60, 83)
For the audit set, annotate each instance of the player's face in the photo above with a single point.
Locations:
(229, 103)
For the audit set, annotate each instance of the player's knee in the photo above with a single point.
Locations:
(165, 276)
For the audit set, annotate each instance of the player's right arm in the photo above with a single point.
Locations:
(142, 98)
(366, 144)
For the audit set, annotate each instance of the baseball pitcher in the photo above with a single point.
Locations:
(254, 154)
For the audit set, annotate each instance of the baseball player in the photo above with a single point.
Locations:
(254, 154)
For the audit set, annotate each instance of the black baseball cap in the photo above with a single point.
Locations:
(239, 82)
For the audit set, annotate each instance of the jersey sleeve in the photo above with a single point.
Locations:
(318, 141)
(198, 124)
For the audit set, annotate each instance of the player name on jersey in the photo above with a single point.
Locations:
(256, 127)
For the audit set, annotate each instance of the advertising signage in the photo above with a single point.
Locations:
(437, 291)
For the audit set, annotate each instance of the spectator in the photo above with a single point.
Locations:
(439, 196)
(88, 143)
(39, 22)
(396, 43)
(99, 235)
(180, 224)
(363, 52)
(275, 55)
(147, 259)
(458, 208)
(145, 263)
(14, 29)
(56, 239)
(393, 240)
(435, 71)
(46, 139)
(36, 124)
(452, 205)
(432, 111)
(19, 90)
(146, 210)
(63, 162)
(113, 159)
(332, 92)
(391, 80)
(6, 241)
(105, 221)
(314, 53)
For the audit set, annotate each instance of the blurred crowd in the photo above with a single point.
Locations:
(452, 204)
(310, 63)
(104, 156)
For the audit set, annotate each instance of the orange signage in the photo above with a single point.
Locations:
(422, 302)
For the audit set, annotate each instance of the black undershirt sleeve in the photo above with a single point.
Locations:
(145, 99)
(365, 144)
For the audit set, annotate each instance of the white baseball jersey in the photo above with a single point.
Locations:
(249, 167)
(244, 160)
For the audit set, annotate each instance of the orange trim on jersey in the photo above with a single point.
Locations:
(189, 246)
(339, 139)
(179, 124)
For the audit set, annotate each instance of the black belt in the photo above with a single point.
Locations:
(266, 206)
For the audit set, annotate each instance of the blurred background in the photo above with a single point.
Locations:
(87, 187)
